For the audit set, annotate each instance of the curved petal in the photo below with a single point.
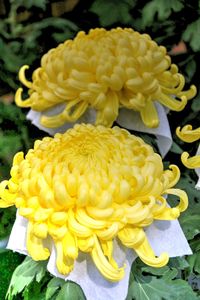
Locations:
(146, 254)
(19, 101)
(109, 113)
(22, 77)
(35, 246)
(172, 103)
(187, 134)
(149, 115)
(183, 204)
(104, 266)
(192, 162)
(65, 116)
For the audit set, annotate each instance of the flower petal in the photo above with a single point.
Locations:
(149, 115)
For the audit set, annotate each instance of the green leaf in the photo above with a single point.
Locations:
(53, 286)
(191, 69)
(56, 22)
(196, 103)
(110, 13)
(9, 144)
(8, 262)
(180, 263)
(191, 35)
(149, 287)
(70, 290)
(24, 274)
(14, 136)
(155, 271)
(33, 3)
(61, 28)
(11, 60)
(176, 148)
(187, 183)
(33, 292)
(195, 245)
(162, 8)
(194, 281)
(7, 217)
(37, 290)
(194, 262)
(190, 222)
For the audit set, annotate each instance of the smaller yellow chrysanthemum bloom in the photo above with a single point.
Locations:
(105, 70)
(189, 135)
(86, 187)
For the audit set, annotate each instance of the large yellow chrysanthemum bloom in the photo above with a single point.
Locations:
(189, 135)
(105, 70)
(86, 187)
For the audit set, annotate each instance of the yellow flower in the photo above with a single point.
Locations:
(105, 70)
(189, 135)
(86, 187)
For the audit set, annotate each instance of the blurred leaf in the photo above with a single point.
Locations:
(110, 13)
(22, 44)
(191, 35)
(190, 69)
(31, 3)
(194, 281)
(161, 8)
(14, 137)
(55, 22)
(8, 56)
(7, 217)
(176, 148)
(196, 103)
(9, 145)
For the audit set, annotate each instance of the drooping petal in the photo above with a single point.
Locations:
(188, 134)
(190, 162)
(149, 115)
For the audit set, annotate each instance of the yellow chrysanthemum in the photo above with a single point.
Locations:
(189, 135)
(86, 187)
(105, 70)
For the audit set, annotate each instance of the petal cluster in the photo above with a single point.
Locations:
(85, 188)
(189, 135)
(105, 70)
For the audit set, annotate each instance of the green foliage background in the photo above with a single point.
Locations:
(28, 29)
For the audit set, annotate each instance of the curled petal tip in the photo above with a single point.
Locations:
(22, 77)
(156, 262)
(19, 101)
(192, 162)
